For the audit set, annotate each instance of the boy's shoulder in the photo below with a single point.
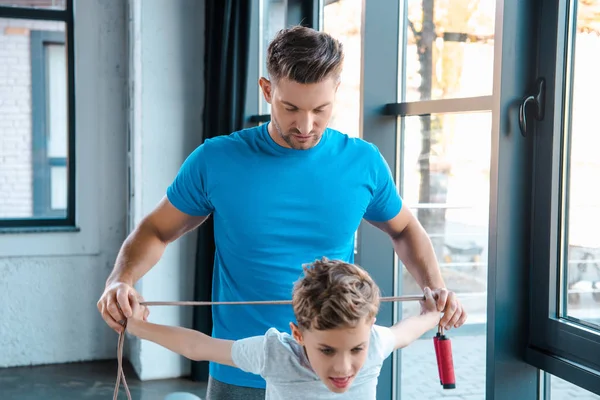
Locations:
(286, 355)
(382, 342)
(274, 355)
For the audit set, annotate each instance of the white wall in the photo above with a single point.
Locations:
(50, 282)
(167, 86)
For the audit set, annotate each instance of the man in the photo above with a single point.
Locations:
(281, 194)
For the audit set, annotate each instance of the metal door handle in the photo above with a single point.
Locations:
(537, 100)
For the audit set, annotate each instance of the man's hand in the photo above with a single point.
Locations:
(428, 305)
(118, 303)
(454, 314)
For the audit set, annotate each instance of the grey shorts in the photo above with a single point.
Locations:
(223, 391)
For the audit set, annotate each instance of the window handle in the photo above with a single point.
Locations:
(535, 100)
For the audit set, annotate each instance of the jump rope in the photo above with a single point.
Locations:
(441, 342)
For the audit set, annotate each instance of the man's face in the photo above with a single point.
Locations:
(299, 112)
(336, 355)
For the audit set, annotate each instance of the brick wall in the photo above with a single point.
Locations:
(16, 190)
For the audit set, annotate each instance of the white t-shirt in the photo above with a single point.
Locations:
(281, 361)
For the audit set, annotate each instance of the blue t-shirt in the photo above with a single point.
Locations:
(275, 209)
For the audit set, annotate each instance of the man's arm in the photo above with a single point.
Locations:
(146, 244)
(142, 249)
(191, 344)
(414, 248)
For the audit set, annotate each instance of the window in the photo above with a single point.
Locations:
(47, 4)
(436, 86)
(273, 19)
(342, 19)
(37, 125)
(268, 17)
(565, 317)
(444, 154)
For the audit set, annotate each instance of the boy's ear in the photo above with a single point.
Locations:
(296, 333)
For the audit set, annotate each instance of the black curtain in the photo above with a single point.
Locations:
(226, 69)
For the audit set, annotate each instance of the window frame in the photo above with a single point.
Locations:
(556, 345)
(68, 222)
(508, 376)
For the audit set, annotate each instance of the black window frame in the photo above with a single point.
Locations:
(557, 345)
(40, 162)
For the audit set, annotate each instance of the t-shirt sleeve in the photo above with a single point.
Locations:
(189, 190)
(386, 202)
(249, 354)
(383, 340)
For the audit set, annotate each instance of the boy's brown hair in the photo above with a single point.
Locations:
(334, 294)
(304, 55)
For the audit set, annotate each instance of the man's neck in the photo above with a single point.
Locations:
(276, 136)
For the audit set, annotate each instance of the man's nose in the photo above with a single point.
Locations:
(305, 124)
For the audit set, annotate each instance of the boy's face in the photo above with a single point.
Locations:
(336, 355)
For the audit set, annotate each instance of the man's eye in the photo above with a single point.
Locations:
(290, 109)
(317, 111)
(357, 350)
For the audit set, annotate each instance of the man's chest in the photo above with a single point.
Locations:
(297, 200)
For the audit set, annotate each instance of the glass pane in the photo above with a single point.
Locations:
(58, 183)
(56, 95)
(33, 92)
(273, 19)
(563, 390)
(343, 20)
(449, 49)
(582, 202)
(445, 181)
(47, 4)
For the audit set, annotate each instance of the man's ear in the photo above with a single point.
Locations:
(297, 333)
(267, 89)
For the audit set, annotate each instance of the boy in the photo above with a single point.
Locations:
(335, 350)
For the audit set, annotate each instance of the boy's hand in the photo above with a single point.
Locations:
(428, 305)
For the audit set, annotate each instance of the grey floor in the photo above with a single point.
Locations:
(86, 381)
(95, 381)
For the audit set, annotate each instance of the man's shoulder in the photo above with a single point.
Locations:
(348, 142)
(229, 141)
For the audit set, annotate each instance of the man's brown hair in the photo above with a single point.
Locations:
(304, 55)
(334, 294)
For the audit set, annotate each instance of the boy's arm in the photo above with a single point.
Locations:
(410, 329)
(189, 343)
